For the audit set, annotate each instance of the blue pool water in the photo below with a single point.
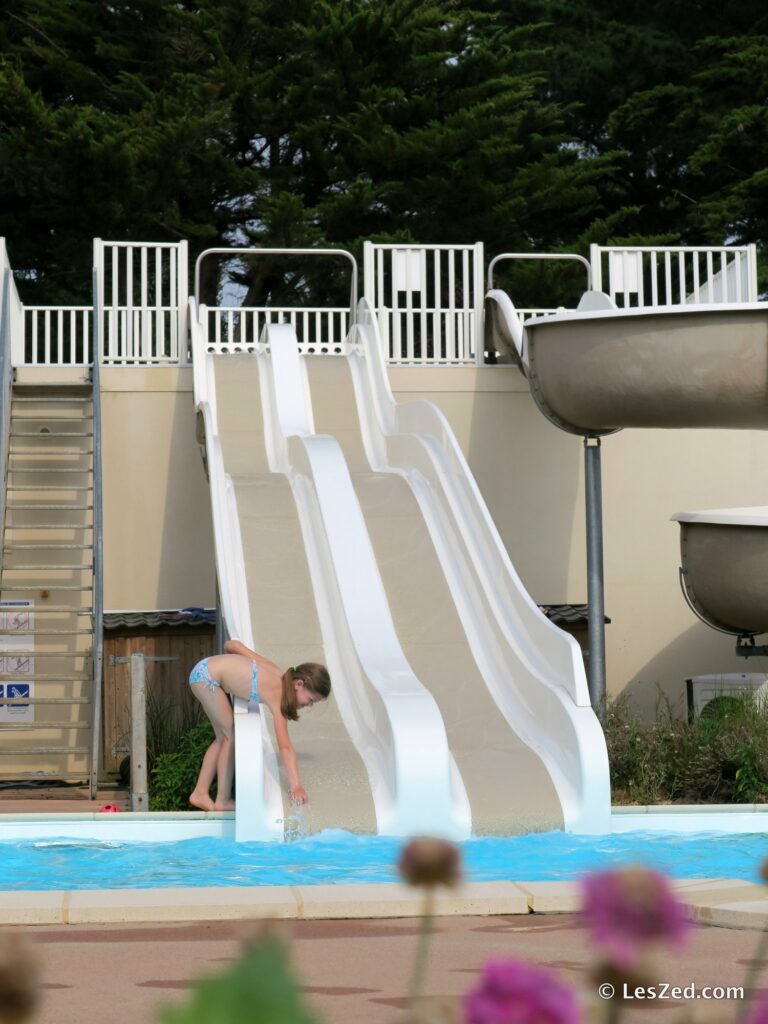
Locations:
(334, 856)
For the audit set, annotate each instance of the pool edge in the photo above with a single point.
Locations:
(722, 902)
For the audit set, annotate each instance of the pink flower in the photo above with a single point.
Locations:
(516, 992)
(758, 1012)
(632, 908)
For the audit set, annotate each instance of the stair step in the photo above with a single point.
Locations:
(49, 750)
(56, 469)
(26, 507)
(47, 700)
(46, 654)
(54, 545)
(49, 451)
(56, 609)
(49, 632)
(49, 487)
(48, 526)
(25, 588)
(38, 776)
(26, 568)
(46, 677)
(51, 433)
(49, 417)
(80, 399)
(28, 726)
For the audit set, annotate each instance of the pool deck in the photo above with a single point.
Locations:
(729, 903)
(355, 970)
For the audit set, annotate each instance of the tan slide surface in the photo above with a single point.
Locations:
(282, 603)
(508, 786)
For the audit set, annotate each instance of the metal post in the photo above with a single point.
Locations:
(595, 581)
(139, 798)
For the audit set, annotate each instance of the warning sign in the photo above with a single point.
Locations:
(17, 644)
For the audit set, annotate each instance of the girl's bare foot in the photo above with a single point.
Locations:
(202, 801)
(225, 805)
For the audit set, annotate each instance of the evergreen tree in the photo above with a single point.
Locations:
(279, 123)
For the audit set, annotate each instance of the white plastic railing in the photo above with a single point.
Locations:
(675, 275)
(318, 330)
(391, 718)
(143, 288)
(533, 669)
(57, 335)
(428, 300)
(259, 806)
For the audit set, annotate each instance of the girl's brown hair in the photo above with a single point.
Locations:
(315, 678)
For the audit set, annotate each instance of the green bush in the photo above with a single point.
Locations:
(721, 757)
(173, 775)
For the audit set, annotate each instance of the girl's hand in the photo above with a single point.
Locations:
(298, 795)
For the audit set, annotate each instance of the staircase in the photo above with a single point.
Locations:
(47, 640)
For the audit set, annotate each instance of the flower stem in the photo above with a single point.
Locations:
(751, 976)
(420, 961)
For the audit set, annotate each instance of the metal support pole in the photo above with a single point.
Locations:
(221, 626)
(139, 798)
(595, 581)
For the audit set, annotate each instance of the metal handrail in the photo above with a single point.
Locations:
(6, 384)
(283, 252)
(98, 549)
(538, 256)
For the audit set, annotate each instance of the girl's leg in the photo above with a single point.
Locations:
(200, 796)
(218, 761)
(225, 772)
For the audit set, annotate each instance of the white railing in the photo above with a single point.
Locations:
(57, 336)
(319, 330)
(428, 301)
(675, 275)
(143, 295)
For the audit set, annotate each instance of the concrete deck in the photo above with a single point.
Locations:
(351, 971)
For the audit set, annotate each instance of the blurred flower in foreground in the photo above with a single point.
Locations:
(516, 992)
(18, 979)
(758, 1013)
(430, 862)
(630, 909)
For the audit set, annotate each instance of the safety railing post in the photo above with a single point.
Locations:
(139, 796)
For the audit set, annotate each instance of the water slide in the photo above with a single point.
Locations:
(360, 539)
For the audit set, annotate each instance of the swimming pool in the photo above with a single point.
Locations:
(334, 856)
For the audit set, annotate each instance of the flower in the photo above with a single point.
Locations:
(630, 909)
(18, 979)
(430, 862)
(758, 1013)
(516, 992)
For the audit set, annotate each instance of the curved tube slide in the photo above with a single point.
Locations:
(599, 369)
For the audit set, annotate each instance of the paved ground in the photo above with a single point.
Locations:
(352, 971)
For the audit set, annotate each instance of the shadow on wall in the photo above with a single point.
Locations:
(529, 473)
(187, 576)
(696, 652)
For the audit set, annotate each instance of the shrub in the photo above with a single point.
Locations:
(720, 757)
(173, 775)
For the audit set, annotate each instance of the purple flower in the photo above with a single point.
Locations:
(516, 992)
(630, 909)
(758, 1012)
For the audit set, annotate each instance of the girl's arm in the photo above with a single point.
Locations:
(238, 647)
(288, 754)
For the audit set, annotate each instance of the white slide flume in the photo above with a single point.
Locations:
(299, 582)
(532, 670)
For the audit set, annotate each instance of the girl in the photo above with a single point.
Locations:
(242, 672)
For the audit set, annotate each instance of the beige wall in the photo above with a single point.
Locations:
(531, 475)
(158, 537)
